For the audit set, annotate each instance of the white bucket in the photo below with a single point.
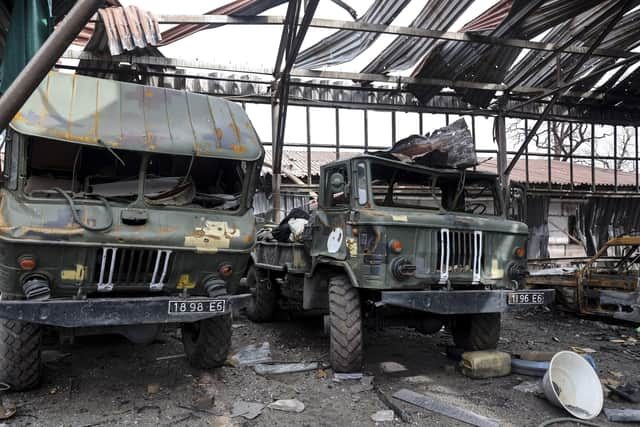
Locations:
(572, 383)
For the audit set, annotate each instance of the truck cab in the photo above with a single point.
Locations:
(123, 208)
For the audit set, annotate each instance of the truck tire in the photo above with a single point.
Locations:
(345, 318)
(477, 331)
(207, 342)
(20, 346)
(264, 297)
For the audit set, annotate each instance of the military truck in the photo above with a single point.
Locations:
(123, 209)
(394, 243)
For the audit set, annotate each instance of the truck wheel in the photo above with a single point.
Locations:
(207, 342)
(20, 345)
(264, 297)
(345, 318)
(477, 331)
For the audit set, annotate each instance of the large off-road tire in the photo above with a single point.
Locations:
(345, 318)
(20, 347)
(473, 332)
(264, 300)
(208, 341)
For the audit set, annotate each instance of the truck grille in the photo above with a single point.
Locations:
(459, 252)
(132, 267)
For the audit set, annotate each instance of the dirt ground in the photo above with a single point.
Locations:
(108, 381)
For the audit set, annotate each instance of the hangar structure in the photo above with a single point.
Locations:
(560, 78)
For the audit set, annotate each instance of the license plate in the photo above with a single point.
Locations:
(518, 298)
(200, 306)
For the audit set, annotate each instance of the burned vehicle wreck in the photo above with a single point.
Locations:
(123, 208)
(604, 285)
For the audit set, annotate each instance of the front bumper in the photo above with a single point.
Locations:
(70, 313)
(458, 302)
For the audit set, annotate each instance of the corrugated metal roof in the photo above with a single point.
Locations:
(128, 28)
(344, 45)
(83, 110)
(404, 51)
(295, 162)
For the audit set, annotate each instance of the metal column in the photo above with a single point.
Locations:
(46, 57)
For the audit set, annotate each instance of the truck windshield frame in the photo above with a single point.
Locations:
(420, 188)
(171, 181)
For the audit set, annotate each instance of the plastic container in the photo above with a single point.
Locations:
(572, 383)
(485, 364)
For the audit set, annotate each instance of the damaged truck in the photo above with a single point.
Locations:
(123, 209)
(397, 243)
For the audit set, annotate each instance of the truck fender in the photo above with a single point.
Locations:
(316, 286)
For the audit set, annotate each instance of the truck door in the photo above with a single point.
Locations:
(330, 224)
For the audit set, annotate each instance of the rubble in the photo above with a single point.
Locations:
(382, 416)
(286, 368)
(392, 367)
(251, 355)
(287, 405)
(248, 410)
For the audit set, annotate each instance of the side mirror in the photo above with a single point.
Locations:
(336, 182)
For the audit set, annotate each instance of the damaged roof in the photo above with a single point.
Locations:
(611, 27)
(84, 110)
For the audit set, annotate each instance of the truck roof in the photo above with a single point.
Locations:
(415, 166)
(128, 116)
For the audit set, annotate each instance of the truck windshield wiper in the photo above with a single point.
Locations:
(109, 149)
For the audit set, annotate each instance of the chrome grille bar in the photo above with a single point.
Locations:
(460, 252)
(133, 267)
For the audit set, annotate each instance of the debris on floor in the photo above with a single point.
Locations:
(455, 412)
(400, 413)
(485, 364)
(247, 410)
(392, 367)
(622, 415)
(153, 388)
(287, 405)
(572, 383)
(250, 355)
(286, 368)
(382, 416)
(7, 409)
(533, 387)
(347, 376)
(418, 379)
(365, 384)
(627, 391)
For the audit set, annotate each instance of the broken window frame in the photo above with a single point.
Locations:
(19, 170)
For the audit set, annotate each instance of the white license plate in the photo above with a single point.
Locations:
(200, 306)
(517, 298)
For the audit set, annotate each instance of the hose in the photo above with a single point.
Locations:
(569, 420)
(76, 217)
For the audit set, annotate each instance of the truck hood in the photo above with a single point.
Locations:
(433, 219)
(50, 221)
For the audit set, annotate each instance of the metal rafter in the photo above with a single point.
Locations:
(392, 29)
(290, 43)
(624, 5)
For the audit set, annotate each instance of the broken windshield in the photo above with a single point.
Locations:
(417, 189)
(170, 180)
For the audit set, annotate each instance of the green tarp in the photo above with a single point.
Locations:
(28, 29)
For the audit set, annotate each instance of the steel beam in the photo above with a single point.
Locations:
(45, 58)
(391, 29)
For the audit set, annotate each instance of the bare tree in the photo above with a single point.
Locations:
(561, 139)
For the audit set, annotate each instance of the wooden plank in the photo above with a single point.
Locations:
(442, 408)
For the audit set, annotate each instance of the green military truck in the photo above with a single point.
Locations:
(398, 243)
(123, 209)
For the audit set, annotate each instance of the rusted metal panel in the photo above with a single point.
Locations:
(83, 110)
(128, 28)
